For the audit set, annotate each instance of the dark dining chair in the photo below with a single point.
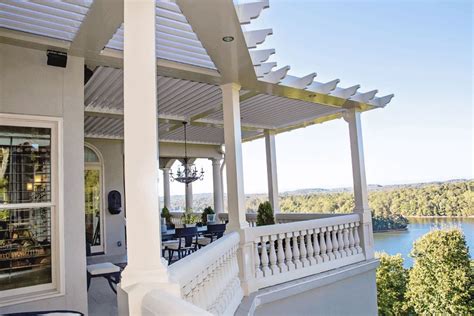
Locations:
(214, 231)
(185, 244)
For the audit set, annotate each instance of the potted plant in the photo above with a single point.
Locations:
(165, 214)
(208, 215)
(265, 214)
(189, 219)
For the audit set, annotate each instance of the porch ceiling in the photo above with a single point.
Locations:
(56, 19)
(192, 61)
(175, 38)
(198, 103)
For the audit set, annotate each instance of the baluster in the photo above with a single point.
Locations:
(296, 251)
(335, 243)
(193, 292)
(264, 257)
(281, 254)
(289, 253)
(206, 294)
(322, 245)
(329, 243)
(258, 269)
(303, 251)
(186, 291)
(346, 240)
(351, 239)
(317, 250)
(357, 239)
(340, 240)
(198, 290)
(273, 257)
(309, 246)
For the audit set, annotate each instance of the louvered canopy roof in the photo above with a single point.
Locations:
(192, 60)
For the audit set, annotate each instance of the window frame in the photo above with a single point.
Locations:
(98, 250)
(56, 205)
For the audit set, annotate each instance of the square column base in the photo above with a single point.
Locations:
(129, 299)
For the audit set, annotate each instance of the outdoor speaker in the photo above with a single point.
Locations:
(115, 202)
(56, 59)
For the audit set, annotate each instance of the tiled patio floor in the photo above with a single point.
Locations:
(102, 301)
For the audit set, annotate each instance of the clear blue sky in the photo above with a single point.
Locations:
(419, 50)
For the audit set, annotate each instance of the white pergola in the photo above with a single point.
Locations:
(159, 64)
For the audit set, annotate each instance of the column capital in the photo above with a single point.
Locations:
(216, 161)
(231, 86)
(350, 114)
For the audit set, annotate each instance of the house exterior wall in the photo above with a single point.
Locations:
(28, 86)
(350, 290)
(114, 228)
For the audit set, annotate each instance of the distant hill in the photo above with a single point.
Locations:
(202, 200)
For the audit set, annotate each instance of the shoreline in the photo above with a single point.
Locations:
(436, 216)
(391, 230)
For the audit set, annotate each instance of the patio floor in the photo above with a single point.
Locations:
(102, 301)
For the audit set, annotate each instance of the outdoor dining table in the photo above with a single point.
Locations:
(171, 233)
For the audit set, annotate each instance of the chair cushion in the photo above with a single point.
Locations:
(172, 244)
(204, 241)
(102, 268)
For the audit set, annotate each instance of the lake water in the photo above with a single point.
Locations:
(402, 241)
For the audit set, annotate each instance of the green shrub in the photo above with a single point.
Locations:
(207, 211)
(440, 279)
(189, 218)
(165, 213)
(391, 284)
(265, 214)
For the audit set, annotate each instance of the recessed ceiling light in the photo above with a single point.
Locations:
(228, 38)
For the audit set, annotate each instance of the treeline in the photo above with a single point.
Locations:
(441, 281)
(393, 222)
(446, 199)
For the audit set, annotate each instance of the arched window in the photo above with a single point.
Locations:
(94, 199)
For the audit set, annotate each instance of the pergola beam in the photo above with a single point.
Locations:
(171, 119)
(101, 22)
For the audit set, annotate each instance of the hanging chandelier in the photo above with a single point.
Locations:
(187, 173)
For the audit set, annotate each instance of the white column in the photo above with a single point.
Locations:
(360, 183)
(166, 187)
(272, 171)
(188, 188)
(217, 185)
(144, 267)
(233, 152)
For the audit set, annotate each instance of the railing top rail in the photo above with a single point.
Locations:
(187, 268)
(253, 232)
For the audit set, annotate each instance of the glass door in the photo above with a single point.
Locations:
(93, 203)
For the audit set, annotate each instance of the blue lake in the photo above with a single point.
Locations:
(402, 241)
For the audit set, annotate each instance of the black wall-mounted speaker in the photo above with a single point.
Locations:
(56, 59)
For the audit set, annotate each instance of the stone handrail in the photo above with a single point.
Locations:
(209, 278)
(281, 218)
(294, 250)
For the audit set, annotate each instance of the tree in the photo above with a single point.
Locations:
(391, 284)
(440, 279)
(265, 214)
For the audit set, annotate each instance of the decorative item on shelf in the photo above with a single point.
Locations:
(208, 216)
(189, 219)
(189, 172)
(115, 202)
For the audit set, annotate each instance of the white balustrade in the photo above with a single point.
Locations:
(289, 251)
(209, 278)
(280, 218)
